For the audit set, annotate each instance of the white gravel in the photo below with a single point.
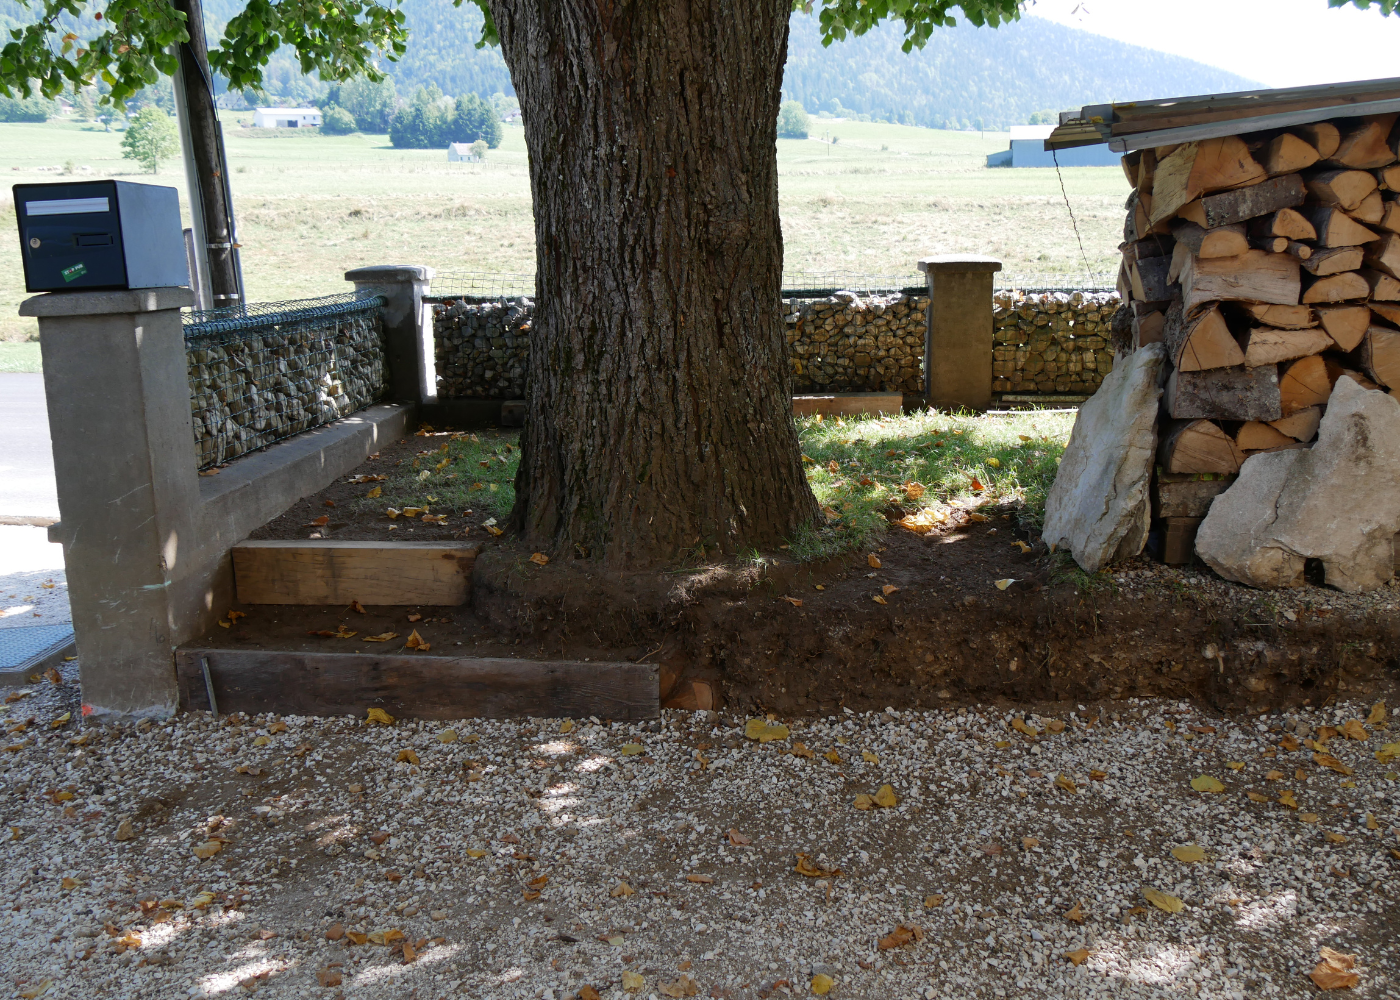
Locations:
(33, 588)
(298, 856)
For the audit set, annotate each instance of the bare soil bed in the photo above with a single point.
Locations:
(909, 621)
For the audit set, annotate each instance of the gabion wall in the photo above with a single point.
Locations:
(252, 387)
(844, 343)
(1051, 342)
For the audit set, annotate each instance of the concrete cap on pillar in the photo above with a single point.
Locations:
(114, 303)
(389, 272)
(958, 263)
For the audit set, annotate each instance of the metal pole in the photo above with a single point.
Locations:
(210, 165)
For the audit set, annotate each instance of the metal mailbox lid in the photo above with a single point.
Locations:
(70, 236)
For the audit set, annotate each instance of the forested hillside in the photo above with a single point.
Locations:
(966, 77)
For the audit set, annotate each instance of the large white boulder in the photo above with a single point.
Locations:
(1338, 502)
(1098, 507)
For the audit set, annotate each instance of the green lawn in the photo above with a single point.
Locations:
(19, 357)
(311, 207)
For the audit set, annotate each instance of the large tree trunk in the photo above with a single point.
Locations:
(659, 391)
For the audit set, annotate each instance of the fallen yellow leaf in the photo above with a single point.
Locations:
(885, 797)
(869, 757)
(1205, 783)
(1286, 798)
(407, 756)
(630, 749)
(1328, 761)
(1162, 900)
(475, 852)
(567, 726)
(207, 849)
(873, 560)
(821, 984)
(540, 559)
(1078, 957)
(447, 736)
(1377, 716)
(1235, 765)
(377, 716)
(863, 801)
(1334, 972)
(633, 982)
(1256, 796)
(1003, 584)
(1064, 781)
(805, 866)
(620, 890)
(764, 731)
(1189, 853)
(1308, 817)
(1354, 730)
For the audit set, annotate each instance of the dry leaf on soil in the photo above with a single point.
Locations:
(806, 866)
(1354, 730)
(1189, 853)
(407, 756)
(633, 982)
(379, 717)
(1078, 957)
(738, 839)
(682, 987)
(821, 984)
(1205, 783)
(1377, 716)
(1076, 913)
(415, 641)
(1328, 761)
(873, 560)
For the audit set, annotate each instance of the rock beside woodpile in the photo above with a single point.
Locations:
(1338, 502)
(1098, 506)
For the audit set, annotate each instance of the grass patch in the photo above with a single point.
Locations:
(452, 472)
(858, 466)
(924, 463)
(19, 357)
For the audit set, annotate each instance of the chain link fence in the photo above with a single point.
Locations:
(263, 372)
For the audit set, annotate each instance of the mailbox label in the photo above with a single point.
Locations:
(76, 271)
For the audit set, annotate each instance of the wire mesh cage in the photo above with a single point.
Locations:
(263, 372)
(1051, 282)
(480, 285)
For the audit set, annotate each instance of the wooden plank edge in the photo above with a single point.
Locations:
(414, 686)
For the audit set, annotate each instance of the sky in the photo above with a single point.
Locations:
(1281, 43)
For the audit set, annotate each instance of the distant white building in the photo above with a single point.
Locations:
(461, 152)
(1028, 150)
(286, 117)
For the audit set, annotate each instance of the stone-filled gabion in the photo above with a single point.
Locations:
(1051, 342)
(844, 343)
(853, 343)
(251, 388)
(482, 348)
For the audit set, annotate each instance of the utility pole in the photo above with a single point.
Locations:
(216, 239)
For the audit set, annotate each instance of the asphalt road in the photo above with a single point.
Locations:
(27, 487)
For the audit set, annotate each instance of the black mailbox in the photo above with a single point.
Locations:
(100, 234)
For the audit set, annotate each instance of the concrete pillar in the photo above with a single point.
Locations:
(408, 329)
(958, 346)
(128, 496)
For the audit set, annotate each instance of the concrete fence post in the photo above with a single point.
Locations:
(408, 329)
(958, 345)
(118, 400)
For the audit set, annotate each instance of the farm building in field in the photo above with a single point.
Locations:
(461, 152)
(286, 117)
(1028, 150)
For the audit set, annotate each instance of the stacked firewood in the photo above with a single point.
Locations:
(1268, 264)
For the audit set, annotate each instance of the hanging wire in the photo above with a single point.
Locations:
(1088, 268)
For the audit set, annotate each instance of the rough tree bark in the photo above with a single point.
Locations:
(659, 391)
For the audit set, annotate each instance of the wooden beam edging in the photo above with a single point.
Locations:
(415, 686)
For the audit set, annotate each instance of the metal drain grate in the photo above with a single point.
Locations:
(27, 649)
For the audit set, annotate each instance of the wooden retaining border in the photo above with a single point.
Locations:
(328, 571)
(412, 685)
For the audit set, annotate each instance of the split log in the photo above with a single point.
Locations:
(1335, 228)
(1344, 189)
(1200, 342)
(1303, 383)
(1284, 222)
(1300, 250)
(1130, 163)
(1390, 216)
(1343, 287)
(1371, 210)
(1300, 426)
(1253, 276)
(1272, 244)
(1186, 495)
(1367, 145)
(1147, 329)
(1147, 170)
(1345, 324)
(1146, 248)
(1388, 311)
(1148, 278)
(1378, 354)
(1195, 446)
(1283, 317)
(1331, 260)
(1229, 207)
(1389, 178)
(1287, 154)
(1124, 283)
(1197, 168)
(1384, 254)
(1181, 253)
(1223, 241)
(1321, 136)
(1224, 394)
(1266, 345)
(1179, 539)
(1383, 286)
(1256, 435)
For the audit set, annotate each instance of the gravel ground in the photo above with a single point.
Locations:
(548, 858)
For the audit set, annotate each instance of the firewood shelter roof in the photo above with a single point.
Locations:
(1134, 125)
